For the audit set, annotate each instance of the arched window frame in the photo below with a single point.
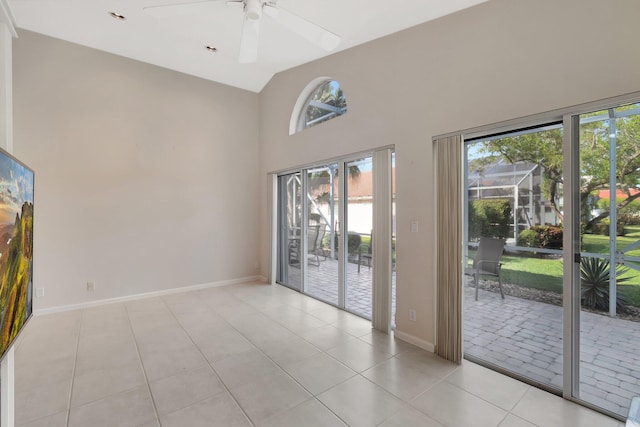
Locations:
(298, 117)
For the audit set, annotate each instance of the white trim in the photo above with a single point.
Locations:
(321, 163)
(302, 101)
(7, 17)
(106, 301)
(272, 202)
(6, 86)
(412, 339)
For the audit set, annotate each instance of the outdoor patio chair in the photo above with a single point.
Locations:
(487, 261)
(312, 244)
(353, 246)
(319, 242)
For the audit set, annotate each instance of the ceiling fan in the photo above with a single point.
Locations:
(253, 12)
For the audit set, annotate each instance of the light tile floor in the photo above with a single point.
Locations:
(255, 355)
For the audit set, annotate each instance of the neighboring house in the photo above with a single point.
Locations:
(360, 197)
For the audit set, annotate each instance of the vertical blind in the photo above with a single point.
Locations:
(382, 248)
(448, 159)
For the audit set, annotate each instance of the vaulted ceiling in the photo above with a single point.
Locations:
(177, 37)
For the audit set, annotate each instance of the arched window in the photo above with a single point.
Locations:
(322, 100)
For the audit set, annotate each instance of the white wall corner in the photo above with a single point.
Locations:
(7, 405)
(412, 339)
(7, 18)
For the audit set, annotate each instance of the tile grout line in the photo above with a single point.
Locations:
(313, 396)
(144, 372)
(208, 362)
(73, 371)
(529, 387)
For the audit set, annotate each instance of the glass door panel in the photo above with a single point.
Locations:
(290, 230)
(609, 192)
(321, 233)
(360, 238)
(513, 197)
(319, 209)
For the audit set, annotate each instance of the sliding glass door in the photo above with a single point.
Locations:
(326, 234)
(322, 273)
(512, 201)
(609, 270)
(360, 238)
(552, 234)
(289, 214)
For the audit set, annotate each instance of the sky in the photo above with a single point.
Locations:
(16, 187)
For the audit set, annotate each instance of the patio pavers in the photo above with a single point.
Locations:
(323, 284)
(525, 337)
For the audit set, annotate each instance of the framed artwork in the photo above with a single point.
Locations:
(16, 248)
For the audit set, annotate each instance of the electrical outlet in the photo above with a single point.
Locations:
(39, 292)
(91, 286)
(412, 315)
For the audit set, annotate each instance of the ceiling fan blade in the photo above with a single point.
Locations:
(238, 4)
(249, 41)
(310, 31)
(188, 8)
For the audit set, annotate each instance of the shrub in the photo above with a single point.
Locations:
(489, 218)
(629, 218)
(602, 228)
(549, 236)
(629, 214)
(353, 242)
(528, 239)
(594, 276)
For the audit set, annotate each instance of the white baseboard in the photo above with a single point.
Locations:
(411, 339)
(96, 303)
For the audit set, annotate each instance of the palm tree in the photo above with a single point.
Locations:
(327, 102)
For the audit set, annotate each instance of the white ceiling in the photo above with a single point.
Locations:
(178, 42)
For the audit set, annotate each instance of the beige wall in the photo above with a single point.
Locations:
(146, 179)
(500, 60)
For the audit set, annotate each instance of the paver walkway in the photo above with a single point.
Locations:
(322, 283)
(525, 337)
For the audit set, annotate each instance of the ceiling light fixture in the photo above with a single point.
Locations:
(117, 16)
(211, 48)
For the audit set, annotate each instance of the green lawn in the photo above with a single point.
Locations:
(546, 274)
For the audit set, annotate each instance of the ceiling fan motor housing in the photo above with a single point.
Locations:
(253, 9)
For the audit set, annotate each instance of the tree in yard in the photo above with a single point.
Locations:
(326, 102)
(545, 148)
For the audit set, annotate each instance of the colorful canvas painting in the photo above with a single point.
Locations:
(16, 248)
